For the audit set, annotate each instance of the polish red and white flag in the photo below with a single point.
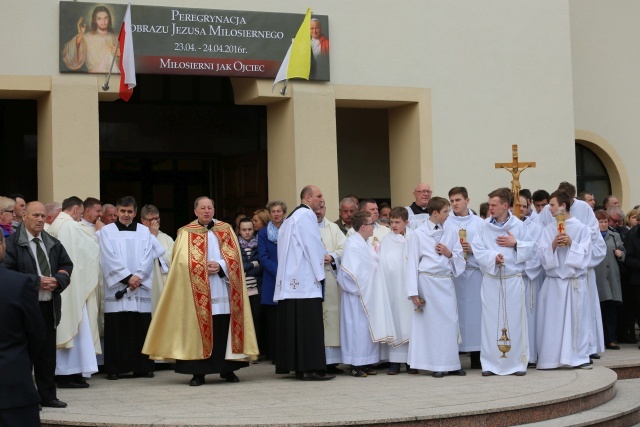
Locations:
(127, 58)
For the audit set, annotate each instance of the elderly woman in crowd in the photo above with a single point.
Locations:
(268, 256)
(6, 215)
(608, 280)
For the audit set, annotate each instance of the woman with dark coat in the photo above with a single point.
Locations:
(268, 256)
(608, 281)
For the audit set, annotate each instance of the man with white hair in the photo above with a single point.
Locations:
(52, 209)
(418, 209)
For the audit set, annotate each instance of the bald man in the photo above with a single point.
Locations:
(418, 209)
(32, 251)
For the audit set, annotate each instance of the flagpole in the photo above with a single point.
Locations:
(105, 86)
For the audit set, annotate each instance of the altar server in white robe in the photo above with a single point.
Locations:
(468, 284)
(534, 275)
(126, 258)
(333, 240)
(366, 318)
(77, 335)
(162, 250)
(502, 247)
(393, 262)
(562, 338)
(435, 258)
(583, 212)
(379, 231)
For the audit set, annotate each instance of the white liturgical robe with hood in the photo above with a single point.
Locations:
(365, 310)
(77, 335)
(468, 285)
(435, 333)
(333, 240)
(503, 294)
(562, 336)
(393, 262)
(300, 257)
(583, 212)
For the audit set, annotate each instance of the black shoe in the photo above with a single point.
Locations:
(475, 360)
(437, 374)
(594, 356)
(459, 372)
(73, 385)
(143, 375)
(394, 369)
(55, 403)
(520, 373)
(113, 377)
(531, 365)
(370, 371)
(333, 369)
(314, 376)
(583, 366)
(612, 347)
(358, 373)
(487, 373)
(230, 377)
(196, 380)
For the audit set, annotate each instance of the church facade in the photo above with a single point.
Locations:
(420, 90)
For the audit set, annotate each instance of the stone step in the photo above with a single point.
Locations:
(621, 411)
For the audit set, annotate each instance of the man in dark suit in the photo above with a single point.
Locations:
(22, 335)
(32, 251)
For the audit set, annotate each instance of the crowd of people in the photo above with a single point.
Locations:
(90, 289)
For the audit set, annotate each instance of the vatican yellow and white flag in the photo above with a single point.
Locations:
(297, 61)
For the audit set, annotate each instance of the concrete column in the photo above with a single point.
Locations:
(68, 139)
(410, 149)
(302, 150)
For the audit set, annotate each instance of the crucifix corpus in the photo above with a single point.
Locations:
(515, 168)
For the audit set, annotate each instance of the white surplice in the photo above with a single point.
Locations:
(366, 318)
(161, 265)
(486, 249)
(562, 336)
(300, 257)
(435, 334)
(583, 212)
(416, 220)
(393, 262)
(333, 240)
(534, 275)
(468, 285)
(379, 232)
(77, 335)
(124, 253)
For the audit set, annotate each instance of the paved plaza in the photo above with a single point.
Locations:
(263, 398)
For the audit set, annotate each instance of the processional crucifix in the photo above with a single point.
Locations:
(515, 168)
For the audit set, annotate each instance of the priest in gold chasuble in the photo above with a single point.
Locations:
(203, 319)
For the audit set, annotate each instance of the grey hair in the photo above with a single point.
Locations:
(195, 204)
(148, 210)
(107, 206)
(275, 203)
(52, 207)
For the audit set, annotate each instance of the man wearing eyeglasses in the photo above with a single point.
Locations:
(616, 221)
(379, 232)
(418, 209)
(162, 250)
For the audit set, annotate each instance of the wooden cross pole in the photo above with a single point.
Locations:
(515, 168)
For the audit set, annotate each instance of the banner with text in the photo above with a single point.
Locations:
(178, 40)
